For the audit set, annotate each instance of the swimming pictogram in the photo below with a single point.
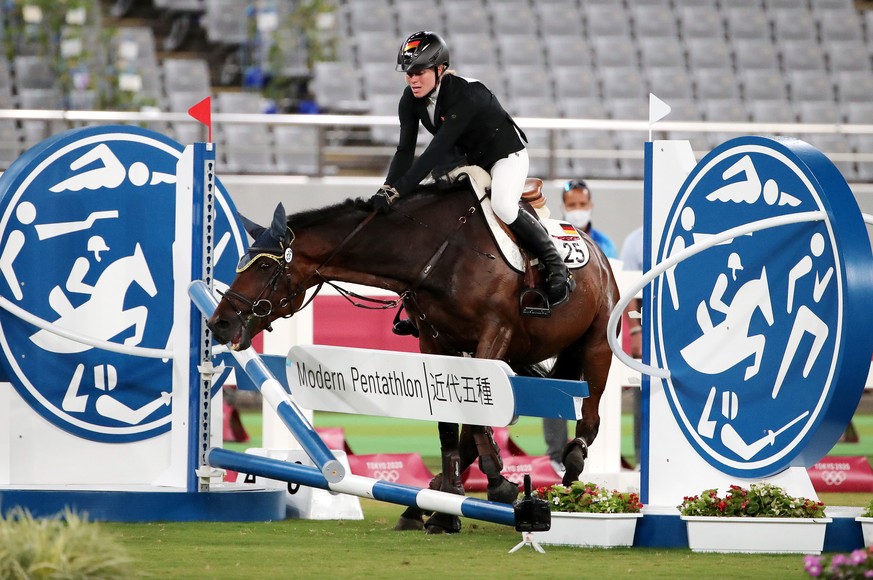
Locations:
(92, 252)
(750, 329)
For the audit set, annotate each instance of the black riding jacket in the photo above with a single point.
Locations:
(467, 117)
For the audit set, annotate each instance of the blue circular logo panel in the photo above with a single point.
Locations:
(760, 333)
(87, 225)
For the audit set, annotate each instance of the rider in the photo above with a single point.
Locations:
(463, 114)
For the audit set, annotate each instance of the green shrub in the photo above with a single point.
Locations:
(761, 500)
(67, 546)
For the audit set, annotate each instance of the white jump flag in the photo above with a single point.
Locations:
(658, 109)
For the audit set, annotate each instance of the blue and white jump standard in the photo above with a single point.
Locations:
(330, 474)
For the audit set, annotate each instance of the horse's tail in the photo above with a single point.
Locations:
(541, 370)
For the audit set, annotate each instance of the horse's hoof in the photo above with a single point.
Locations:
(443, 524)
(503, 492)
(405, 524)
(574, 457)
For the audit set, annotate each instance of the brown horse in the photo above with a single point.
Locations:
(435, 251)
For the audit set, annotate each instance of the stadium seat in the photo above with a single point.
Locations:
(471, 48)
(762, 85)
(226, 22)
(820, 112)
(853, 85)
(708, 53)
(511, 17)
(847, 55)
(528, 81)
(466, 16)
(716, 84)
(376, 47)
(794, 23)
(592, 141)
(700, 22)
(584, 108)
(559, 19)
(608, 19)
(567, 50)
(615, 52)
(801, 55)
(376, 16)
(653, 21)
(520, 49)
(186, 75)
(770, 111)
(757, 53)
(810, 85)
(544, 107)
(575, 81)
(246, 148)
(671, 83)
(658, 52)
(492, 77)
(839, 25)
(746, 22)
(414, 15)
(622, 83)
(337, 87)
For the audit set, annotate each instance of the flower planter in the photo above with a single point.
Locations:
(866, 530)
(756, 535)
(592, 530)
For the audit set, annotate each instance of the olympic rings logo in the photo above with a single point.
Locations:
(833, 477)
(390, 475)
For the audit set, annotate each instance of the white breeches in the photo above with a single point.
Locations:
(507, 185)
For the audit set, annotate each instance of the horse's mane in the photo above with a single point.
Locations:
(329, 213)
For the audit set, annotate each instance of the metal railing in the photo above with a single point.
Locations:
(332, 132)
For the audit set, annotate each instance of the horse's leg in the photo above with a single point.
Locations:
(135, 317)
(413, 517)
(450, 482)
(493, 345)
(591, 354)
(500, 489)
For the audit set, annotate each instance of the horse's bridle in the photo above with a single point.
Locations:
(262, 307)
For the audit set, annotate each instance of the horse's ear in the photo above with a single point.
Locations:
(279, 227)
(251, 227)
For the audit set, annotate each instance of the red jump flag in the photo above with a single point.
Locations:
(202, 112)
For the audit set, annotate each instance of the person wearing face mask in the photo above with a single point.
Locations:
(578, 208)
(464, 117)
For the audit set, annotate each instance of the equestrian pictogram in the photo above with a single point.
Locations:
(750, 328)
(87, 231)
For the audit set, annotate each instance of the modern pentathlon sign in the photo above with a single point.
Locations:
(402, 385)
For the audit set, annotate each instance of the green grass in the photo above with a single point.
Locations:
(371, 549)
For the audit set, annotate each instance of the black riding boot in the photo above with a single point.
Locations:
(534, 237)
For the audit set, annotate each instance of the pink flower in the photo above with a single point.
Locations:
(858, 557)
(812, 565)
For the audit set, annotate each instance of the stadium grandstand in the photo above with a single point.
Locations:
(801, 62)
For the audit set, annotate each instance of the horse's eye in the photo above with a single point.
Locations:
(264, 266)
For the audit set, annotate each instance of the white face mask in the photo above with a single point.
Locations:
(578, 217)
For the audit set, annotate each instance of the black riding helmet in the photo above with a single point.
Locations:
(422, 50)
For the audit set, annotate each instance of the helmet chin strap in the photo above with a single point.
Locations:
(438, 77)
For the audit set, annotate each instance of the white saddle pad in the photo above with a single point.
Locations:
(567, 240)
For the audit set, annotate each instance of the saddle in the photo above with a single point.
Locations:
(565, 237)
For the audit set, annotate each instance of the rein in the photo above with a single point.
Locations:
(263, 307)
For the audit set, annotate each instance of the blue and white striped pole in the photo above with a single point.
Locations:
(426, 499)
(273, 392)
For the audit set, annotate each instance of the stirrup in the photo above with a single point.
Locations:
(543, 311)
(405, 327)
